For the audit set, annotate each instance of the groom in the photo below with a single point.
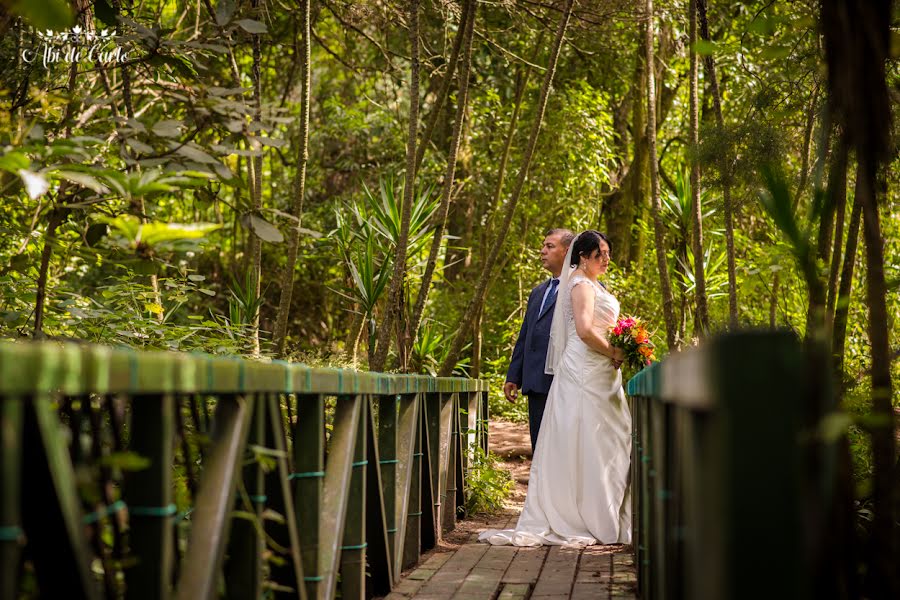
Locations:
(526, 369)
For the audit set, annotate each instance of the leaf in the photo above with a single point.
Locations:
(224, 11)
(267, 141)
(206, 291)
(251, 26)
(220, 91)
(775, 52)
(44, 14)
(272, 515)
(705, 47)
(262, 228)
(126, 461)
(223, 172)
(14, 161)
(154, 308)
(194, 277)
(834, 426)
(139, 146)
(243, 514)
(84, 180)
(105, 12)
(95, 232)
(194, 153)
(167, 128)
(35, 184)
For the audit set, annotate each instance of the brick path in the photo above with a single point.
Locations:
(461, 568)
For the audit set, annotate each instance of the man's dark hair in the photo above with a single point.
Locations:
(565, 235)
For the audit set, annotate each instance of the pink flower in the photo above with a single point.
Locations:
(617, 330)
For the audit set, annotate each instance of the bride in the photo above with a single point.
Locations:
(578, 490)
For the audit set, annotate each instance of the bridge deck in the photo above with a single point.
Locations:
(481, 572)
(462, 568)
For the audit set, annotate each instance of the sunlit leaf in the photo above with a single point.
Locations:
(14, 162)
(85, 180)
(705, 47)
(35, 184)
(775, 52)
(126, 461)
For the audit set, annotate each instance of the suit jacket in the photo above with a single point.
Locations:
(526, 369)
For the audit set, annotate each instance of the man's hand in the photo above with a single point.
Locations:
(617, 363)
(511, 391)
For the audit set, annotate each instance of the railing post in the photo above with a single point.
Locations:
(243, 569)
(289, 573)
(11, 532)
(412, 544)
(308, 478)
(353, 548)
(148, 494)
(431, 459)
(378, 552)
(388, 407)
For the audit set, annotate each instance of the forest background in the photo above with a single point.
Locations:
(236, 179)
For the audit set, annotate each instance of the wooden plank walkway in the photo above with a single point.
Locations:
(462, 568)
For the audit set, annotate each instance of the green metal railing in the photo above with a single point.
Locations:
(166, 475)
(734, 491)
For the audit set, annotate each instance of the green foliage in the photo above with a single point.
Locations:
(488, 486)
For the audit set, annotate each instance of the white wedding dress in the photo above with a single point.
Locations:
(578, 490)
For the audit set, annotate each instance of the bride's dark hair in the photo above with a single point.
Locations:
(586, 243)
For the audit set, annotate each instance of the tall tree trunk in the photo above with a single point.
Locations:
(883, 444)
(659, 229)
(836, 193)
(392, 310)
(477, 299)
(632, 247)
(59, 213)
(857, 46)
(842, 303)
(725, 160)
(457, 258)
(839, 193)
(620, 206)
(299, 188)
(807, 145)
(701, 317)
(256, 162)
(450, 175)
(773, 301)
(351, 344)
(444, 92)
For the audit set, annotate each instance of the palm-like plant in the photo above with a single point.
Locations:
(366, 235)
(382, 212)
(677, 205)
(430, 348)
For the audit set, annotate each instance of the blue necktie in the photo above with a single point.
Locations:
(554, 283)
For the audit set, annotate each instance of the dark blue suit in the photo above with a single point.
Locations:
(526, 369)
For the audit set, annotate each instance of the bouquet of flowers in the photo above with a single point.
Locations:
(630, 335)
